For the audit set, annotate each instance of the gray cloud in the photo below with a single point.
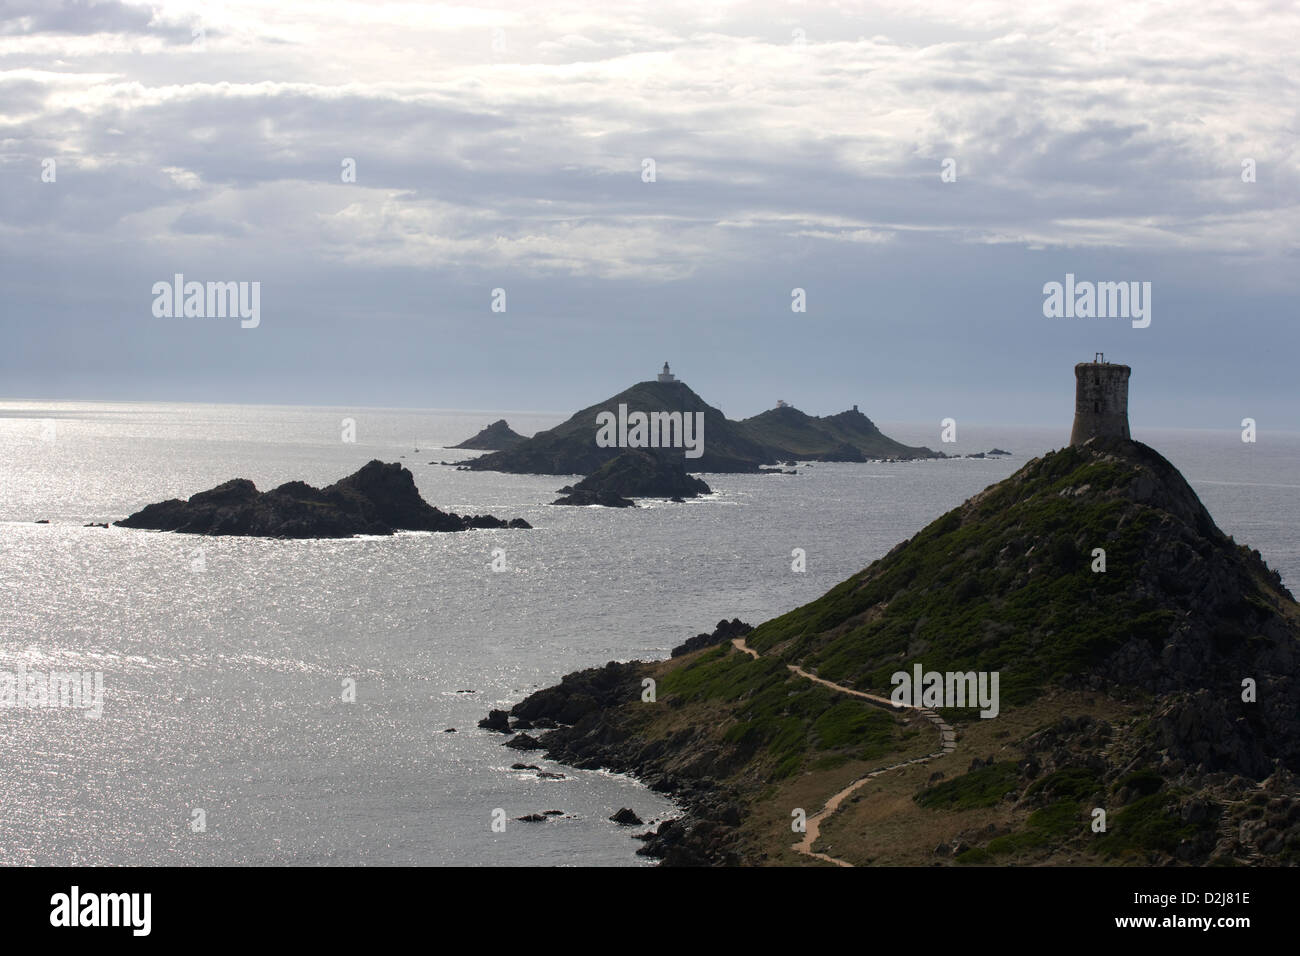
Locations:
(504, 146)
(26, 17)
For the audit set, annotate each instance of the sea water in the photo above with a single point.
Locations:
(225, 736)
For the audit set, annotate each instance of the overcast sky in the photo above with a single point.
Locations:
(794, 146)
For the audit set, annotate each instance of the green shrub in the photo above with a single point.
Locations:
(979, 788)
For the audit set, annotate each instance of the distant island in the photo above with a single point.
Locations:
(636, 473)
(780, 434)
(378, 499)
(1145, 714)
(495, 437)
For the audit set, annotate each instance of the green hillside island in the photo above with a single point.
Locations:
(729, 446)
(1162, 691)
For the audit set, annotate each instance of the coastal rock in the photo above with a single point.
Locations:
(495, 437)
(626, 818)
(636, 473)
(725, 631)
(586, 739)
(498, 720)
(378, 499)
(607, 499)
(841, 452)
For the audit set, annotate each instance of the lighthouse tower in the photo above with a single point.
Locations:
(666, 375)
(1100, 400)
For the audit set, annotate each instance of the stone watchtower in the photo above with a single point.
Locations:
(1100, 400)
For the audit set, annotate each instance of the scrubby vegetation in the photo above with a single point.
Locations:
(788, 718)
(1006, 583)
(984, 787)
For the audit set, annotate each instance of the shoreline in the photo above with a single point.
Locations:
(580, 733)
(706, 832)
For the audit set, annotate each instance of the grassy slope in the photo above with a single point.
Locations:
(1004, 583)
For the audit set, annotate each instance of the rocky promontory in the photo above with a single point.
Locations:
(1149, 668)
(378, 499)
(581, 734)
(495, 437)
(636, 473)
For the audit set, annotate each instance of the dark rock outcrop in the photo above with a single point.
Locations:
(495, 437)
(378, 499)
(636, 473)
(841, 452)
(580, 706)
(725, 631)
(607, 499)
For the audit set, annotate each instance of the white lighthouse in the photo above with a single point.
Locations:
(667, 376)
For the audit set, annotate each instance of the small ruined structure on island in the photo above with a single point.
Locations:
(1100, 400)
(667, 376)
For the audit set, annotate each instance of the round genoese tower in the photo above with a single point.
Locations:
(1100, 400)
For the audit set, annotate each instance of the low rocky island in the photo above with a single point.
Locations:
(495, 437)
(636, 473)
(380, 499)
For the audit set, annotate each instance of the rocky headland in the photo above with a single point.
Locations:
(1150, 673)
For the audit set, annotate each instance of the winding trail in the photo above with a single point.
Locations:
(947, 736)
